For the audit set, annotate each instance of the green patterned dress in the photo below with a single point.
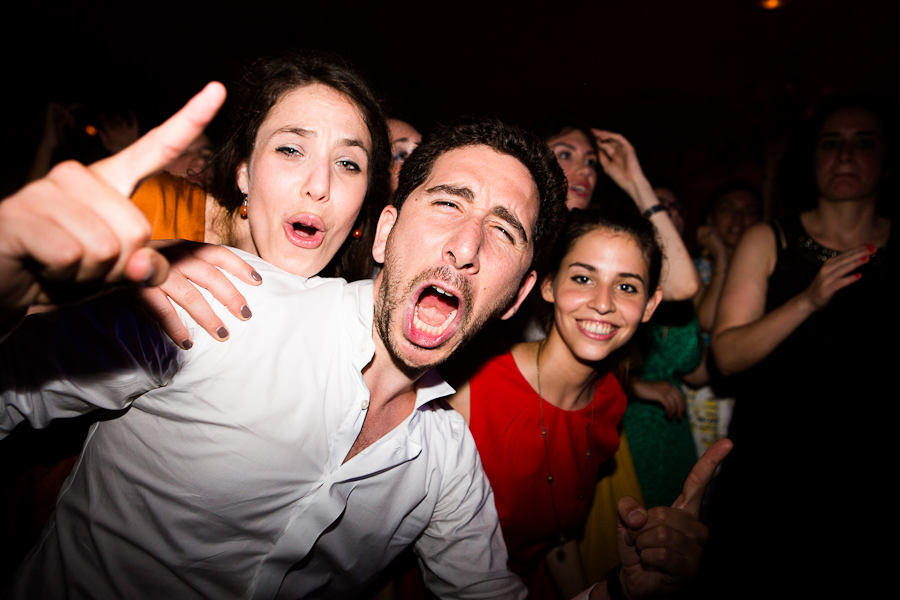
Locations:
(663, 450)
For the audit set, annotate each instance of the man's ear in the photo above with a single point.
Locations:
(524, 288)
(243, 180)
(382, 231)
(652, 303)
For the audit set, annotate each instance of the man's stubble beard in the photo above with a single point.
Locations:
(389, 298)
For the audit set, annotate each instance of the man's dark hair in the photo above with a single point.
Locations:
(525, 147)
(262, 84)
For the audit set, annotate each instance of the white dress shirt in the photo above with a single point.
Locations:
(224, 476)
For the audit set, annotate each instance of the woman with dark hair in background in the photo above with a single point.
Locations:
(807, 319)
(580, 151)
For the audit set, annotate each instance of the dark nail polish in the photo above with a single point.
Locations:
(222, 332)
(245, 312)
(256, 276)
(187, 344)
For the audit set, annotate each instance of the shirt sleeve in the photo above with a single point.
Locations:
(462, 553)
(101, 354)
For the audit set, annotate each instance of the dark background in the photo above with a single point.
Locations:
(704, 89)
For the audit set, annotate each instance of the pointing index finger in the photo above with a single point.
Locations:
(163, 144)
(700, 476)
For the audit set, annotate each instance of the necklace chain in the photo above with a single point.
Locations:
(562, 537)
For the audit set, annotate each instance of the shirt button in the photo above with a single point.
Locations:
(364, 404)
(362, 346)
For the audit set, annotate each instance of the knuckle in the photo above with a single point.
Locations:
(192, 297)
(656, 515)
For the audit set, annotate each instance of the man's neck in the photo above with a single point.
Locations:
(392, 392)
(392, 396)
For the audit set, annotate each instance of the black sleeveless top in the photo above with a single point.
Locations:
(829, 384)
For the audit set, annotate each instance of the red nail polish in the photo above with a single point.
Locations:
(865, 259)
(871, 248)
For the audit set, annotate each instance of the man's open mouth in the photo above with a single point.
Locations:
(435, 316)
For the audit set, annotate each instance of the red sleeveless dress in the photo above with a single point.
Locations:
(505, 421)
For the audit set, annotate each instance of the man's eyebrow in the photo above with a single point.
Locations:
(453, 190)
(467, 194)
(505, 214)
(309, 133)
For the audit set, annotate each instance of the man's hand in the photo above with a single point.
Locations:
(661, 548)
(74, 233)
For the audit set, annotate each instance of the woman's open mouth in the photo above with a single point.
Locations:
(306, 230)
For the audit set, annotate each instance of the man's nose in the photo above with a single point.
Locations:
(464, 246)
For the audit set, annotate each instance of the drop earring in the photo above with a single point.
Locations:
(357, 233)
(243, 210)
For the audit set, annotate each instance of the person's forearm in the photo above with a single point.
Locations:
(699, 376)
(738, 348)
(679, 279)
(707, 303)
(42, 162)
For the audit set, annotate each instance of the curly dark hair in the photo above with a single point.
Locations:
(525, 147)
(262, 84)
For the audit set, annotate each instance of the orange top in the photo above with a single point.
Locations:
(175, 207)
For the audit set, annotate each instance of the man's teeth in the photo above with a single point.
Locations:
(598, 328)
(441, 291)
(433, 329)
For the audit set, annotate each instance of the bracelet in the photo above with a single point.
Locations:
(655, 209)
(613, 585)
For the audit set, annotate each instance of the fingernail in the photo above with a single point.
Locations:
(245, 312)
(865, 259)
(633, 516)
(222, 332)
(256, 276)
(187, 344)
(870, 248)
(148, 277)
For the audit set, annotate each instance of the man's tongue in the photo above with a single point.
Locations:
(434, 311)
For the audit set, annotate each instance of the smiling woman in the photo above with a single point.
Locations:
(544, 415)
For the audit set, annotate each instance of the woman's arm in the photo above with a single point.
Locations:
(744, 334)
(706, 301)
(619, 160)
(663, 392)
(567, 570)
